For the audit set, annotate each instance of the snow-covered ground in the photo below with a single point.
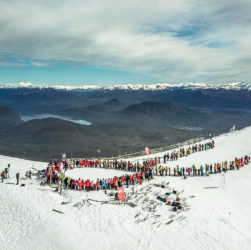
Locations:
(219, 215)
(93, 173)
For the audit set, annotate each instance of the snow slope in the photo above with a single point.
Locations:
(219, 215)
(93, 173)
(227, 147)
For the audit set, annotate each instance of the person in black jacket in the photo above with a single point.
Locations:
(17, 177)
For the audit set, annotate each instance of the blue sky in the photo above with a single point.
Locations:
(113, 42)
(68, 74)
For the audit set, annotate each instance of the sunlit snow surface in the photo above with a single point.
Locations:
(219, 217)
(93, 173)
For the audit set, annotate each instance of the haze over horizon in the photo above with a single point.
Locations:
(116, 42)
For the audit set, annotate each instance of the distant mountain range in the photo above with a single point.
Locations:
(145, 87)
(29, 98)
(123, 118)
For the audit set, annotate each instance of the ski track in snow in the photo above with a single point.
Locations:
(219, 218)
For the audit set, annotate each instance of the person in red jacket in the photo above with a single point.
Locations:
(97, 185)
(242, 162)
(141, 179)
(134, 179)
(131, 180)
(74, 184)
(236, 163)
(79, 185)
(88, 185)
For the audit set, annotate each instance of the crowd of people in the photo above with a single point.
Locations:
(55, 176)
(136, 173)
(140, 173)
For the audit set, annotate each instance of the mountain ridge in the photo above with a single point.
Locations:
(8, 118)
(145, 87)
(48, 138)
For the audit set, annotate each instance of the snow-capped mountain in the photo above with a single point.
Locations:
(136, 87)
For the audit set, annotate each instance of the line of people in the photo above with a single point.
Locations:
(175, 155)
(202, 169)
(132, 166)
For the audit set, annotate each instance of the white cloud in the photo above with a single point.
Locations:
(174, 41)
(38, 64)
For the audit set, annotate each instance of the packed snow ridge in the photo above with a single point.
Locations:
(136, 87)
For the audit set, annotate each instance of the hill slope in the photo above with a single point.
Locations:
(163, 114)
(8, 118)
(166, 114)
(48, 138)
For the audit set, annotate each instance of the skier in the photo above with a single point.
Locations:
(3, 175)
(17, 177)
(6, 173)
